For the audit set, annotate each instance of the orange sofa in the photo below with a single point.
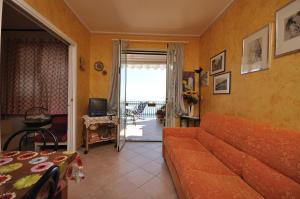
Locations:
(229, 157)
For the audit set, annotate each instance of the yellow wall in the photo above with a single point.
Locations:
(271, 96)
(61, 16)
(101, 49)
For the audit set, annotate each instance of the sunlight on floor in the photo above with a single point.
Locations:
(148, 129)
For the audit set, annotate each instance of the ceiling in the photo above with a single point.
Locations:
(148, 17)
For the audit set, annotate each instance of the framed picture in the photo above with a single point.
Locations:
(222, 83)
(256, 51)
(188, 81)
(204, 78)
(288, 29)
(217, 63)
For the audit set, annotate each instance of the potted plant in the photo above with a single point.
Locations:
(191, 99)
(161, 113)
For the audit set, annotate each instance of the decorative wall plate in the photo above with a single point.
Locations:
(99, 66)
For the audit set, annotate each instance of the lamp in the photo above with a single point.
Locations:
(198, 71)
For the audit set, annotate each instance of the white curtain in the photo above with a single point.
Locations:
(175, 103)
(113, 91)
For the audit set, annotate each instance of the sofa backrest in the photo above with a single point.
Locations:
(230, 156)
(276, 150)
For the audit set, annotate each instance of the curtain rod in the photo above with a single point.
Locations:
(151, 41)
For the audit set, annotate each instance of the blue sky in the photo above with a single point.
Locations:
(146, 84)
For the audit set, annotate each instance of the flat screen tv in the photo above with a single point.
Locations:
(97, 107)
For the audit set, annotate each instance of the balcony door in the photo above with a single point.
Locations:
(121, 137)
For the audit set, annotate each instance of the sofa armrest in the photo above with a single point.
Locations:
(181, 132)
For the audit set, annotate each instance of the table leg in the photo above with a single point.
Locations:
(86, 141)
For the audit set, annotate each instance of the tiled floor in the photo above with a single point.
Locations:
(137, 172)
(149, 129)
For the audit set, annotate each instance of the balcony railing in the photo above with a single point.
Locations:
(150, 110)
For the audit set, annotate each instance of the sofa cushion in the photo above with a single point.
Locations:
(202, 185)
(206, 139)
(268, 182)
(190, 132)
(230, 156)
(278, 148)
(194, 160)
(230, 129)
(172, 143)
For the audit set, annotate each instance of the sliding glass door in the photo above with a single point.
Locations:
(121, 137)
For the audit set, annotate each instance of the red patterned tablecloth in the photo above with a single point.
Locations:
(20, 170)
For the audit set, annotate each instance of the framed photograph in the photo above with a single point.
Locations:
(204, 78)
(188, 81)
(222, 83)
(288, 29)
(256, 51)
(217, 63)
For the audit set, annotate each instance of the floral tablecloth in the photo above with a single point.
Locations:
(20, 170)
(88, 121)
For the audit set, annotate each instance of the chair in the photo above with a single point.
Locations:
(31, 133)
(59, 127)
(46, 186)
(37, 117)
(138, 110)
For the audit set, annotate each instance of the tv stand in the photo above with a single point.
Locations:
(93, 124)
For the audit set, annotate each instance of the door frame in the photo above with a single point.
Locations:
(72, 66)
(1, 5)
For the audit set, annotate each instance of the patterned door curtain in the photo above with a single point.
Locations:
(34, 73)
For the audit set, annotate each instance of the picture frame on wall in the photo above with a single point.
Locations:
(288, 29)
(256, 51)
(222, 83)
(217, 63)
(204, 78)
(188, 81)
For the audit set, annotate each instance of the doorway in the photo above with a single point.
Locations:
(145, 94)
(19, 19)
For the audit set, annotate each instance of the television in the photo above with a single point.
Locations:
(97, 107)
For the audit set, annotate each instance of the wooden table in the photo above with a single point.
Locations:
(91, 124)
(21, 170)
(188, 119)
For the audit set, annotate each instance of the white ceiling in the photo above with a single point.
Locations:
(150, 17)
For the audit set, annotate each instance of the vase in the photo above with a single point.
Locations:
(191, 110)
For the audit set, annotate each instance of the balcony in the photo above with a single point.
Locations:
(147, 127)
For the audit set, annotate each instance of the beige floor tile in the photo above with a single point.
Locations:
(151, 155)
(139, 177)
(119, 189)
(153, 168)
(139, 149)
(130, 175)
(157, 188)
(126, 155)
(139, 160)
(159, 160)
(139, 194)
(125, 168)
